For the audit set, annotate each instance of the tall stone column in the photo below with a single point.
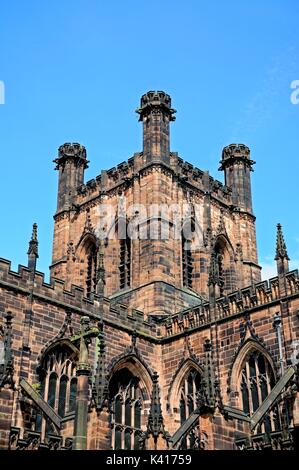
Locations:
(156, 113)
(82, 372)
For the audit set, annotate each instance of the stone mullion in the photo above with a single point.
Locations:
(123, 420)
(67, 395)
(46, 390)
(186, 398)
(194, 392)
(268, 391)
(57, 393)
(132, 434)
(249, 389)
(259, 390)
(113, 436)
(122, 428)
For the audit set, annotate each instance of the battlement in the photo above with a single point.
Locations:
(123, 174)
(251, 297)
(155, 99)
(74, 151)
(56, 293)
(234, 152)
(201, 179)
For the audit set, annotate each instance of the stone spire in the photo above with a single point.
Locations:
(281, 248)
(155, 427)
(156, 113)
(281, 258)
(209, 379)
(100, 390)
(33, 249)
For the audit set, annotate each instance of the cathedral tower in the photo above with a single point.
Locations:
(156, 113)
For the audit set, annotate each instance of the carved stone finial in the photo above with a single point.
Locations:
(33, 244)
(281, 248)
(100, 390)
(33, 249)
(155, 421)
(207, 397)
(281, 257)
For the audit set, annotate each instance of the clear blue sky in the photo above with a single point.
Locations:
(75, 70)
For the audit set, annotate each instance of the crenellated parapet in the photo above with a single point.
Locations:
(236, 152)
(250, 298)
(72, 151)
(117, 179)
(73, 299)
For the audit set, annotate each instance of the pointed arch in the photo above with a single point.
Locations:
(253, 378)
(225, 259)
(130, 385)
(51, 345)
(137, 367)
(183, 397)
(85, 239)
(86, 262)
(58, 381)
(182, 371)
(248, 346)
(120, 238)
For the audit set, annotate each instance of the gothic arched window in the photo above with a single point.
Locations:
(225, 266)
(126, 399)
(91, 269)
(58, 384)
(256, 381)
(188, 402)
(187, 255)
(124, 254)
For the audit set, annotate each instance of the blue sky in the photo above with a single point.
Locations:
(75, 70)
